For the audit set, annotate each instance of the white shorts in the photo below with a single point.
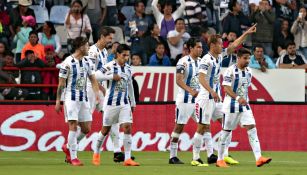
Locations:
(231, 120)
(207, 110)
(92, 100)
(77, 110)
(183, 113)
(117, 114)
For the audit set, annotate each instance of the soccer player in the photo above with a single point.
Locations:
(98, 55)
(207, 103)
(117, 107)
(73, 75)
(236, 80)
(187, 80)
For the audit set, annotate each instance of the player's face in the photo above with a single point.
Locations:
(243, 61)
(197, 50)
(107, 40)
(218, 46)
(84, 49)
(123, 57)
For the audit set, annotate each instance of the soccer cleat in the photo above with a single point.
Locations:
(263, 160)
(221, 164)
(96, 159)
(67, 153)
(212, 159)
(76, 162)
(120, 157)
(175, 160)
(230, 160)
(130, 162)
(198, 162)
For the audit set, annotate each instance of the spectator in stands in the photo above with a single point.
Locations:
(96, 11)
(111, 55)
(3, 50)
(261, 61)
(77, 23)
(50, 77)
(112, 13)
(31, 77)
(136, 60)
(193, 17)
(230, 38)
(282, 37)
(8, 77)
(22, 35)
(33, 45)
(254, 4)
(299, 30)
(177, 37)
(152, 38)
(159, 58)
(136, 27)
(291, 59)
(264, 17)
(204, 4)
(204, 35)
(4, 23)
(166, 21)
(284, 9)
(235, 19)
(16, 15)
(48, 36)
(184, 52)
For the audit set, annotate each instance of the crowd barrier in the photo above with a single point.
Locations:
(281, 127)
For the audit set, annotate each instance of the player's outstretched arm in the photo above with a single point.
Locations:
(180, 83)
(240, 40)
(61, 87)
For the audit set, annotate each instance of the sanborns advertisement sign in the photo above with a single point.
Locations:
(39, 128)
(159, 84)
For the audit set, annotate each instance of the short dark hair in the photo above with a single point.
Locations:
(122, 47)
(243, 51)
(33, 32)
(51, 25)
(290, 43)
(192, 42)
(9, 53)
(203, 30)
(159, 43)
(136, 3)
(258, 46)
(78, 2)
(28, 52)
(106, 30)
(79, 42)
(231, 4)
(213, 39)
(179, 19)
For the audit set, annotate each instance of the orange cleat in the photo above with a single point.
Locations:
(76, 162)
(263, 160)
(96, 159)
(67, 153)
(130, 162)
(221, 164)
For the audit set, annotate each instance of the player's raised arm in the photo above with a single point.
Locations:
(240, 40)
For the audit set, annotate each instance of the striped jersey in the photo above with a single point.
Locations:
(211, 67)
(189, 68)
(76, 73)
(239, 81)
(119, 92)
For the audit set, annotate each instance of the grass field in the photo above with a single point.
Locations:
(152, 163)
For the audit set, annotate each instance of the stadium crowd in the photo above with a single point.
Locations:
(156, 31)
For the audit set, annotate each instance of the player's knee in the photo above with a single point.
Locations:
(126, 128)
(175, 137)
(178, 128)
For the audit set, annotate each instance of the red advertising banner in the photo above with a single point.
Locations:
(39, 127)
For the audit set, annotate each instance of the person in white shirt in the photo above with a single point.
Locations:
(119, 102)
(176, 38)
(73, 75)
(236, 80)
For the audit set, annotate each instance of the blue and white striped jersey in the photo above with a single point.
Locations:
(189, 68)
(76, 73)
(118, 91)
(239, 80)
(211, 67)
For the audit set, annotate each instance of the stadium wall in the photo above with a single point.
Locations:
(281, 127)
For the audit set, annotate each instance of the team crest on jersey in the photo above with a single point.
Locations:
(80, 83)
(121, 85)
(194, 83)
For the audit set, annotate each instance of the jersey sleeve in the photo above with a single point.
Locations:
(227, 77)
(91, 68)
(64, 69)
(204, 65)
(180, 67)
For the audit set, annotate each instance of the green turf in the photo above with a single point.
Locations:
(152, 163)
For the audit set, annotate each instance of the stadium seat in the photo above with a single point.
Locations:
(128, 11)
(119, 35)
(61, 31)
(41, 13)
(58, 14)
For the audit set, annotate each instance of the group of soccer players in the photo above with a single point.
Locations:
(87, 82)
(199, 97)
